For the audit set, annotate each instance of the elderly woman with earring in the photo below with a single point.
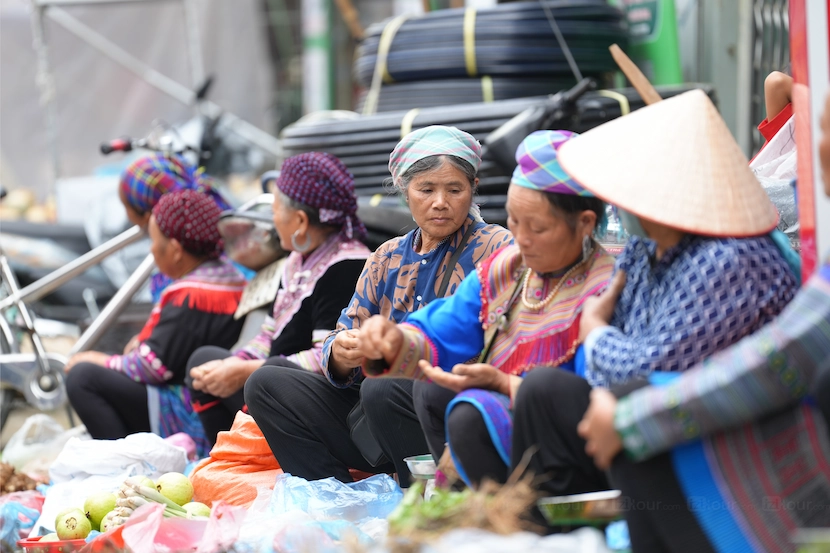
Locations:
(315, 218)
(304, 416)
(519, 310)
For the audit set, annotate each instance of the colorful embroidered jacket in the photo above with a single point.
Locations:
(195, 310)
(765, 451)
(456, 329)
(397, 281)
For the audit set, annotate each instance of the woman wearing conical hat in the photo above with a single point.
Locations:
(734, 451)
(702, 276)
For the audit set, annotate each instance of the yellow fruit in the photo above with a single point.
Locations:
(176, 487)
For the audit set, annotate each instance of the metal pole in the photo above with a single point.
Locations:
(115, 306)
(46, 85)
(28, 320)
(194, 42)
(59, 277)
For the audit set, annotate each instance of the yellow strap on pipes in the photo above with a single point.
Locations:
(625, 107)
(381, 73)
(487, 94)
(408, 119)
(470, 41)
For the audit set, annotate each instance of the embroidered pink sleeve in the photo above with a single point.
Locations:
(141, 365)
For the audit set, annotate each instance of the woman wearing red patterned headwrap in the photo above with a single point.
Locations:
(142, 391)
(315, 215)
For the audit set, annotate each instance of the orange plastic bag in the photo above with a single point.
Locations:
(239, 462)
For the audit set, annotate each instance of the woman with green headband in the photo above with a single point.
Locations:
(304, 415)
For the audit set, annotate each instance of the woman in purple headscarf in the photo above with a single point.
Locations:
(315, 216)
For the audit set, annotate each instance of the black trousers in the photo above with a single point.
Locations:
(468, 433)
(389, 409)
(821, 393)
(656, 510)
(216, 413)
(549, 405)
(303, 417)
(110, 404)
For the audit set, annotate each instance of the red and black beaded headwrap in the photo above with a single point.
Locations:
(191, 218)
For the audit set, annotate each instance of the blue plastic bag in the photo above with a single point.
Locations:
(330, 499)
(16, 520)
(616, 536)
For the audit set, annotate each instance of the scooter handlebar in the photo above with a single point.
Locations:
(116, 145)
(124, 144)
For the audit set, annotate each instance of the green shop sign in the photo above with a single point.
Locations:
(642, 18)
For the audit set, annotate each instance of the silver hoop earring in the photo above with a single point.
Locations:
(587, 247)
(301, 248)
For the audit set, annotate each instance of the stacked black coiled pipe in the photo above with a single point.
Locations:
(507, 51)
(365, 142)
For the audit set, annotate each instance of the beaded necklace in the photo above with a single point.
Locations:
(540, 305)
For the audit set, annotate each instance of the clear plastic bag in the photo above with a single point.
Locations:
(297, 512)
(330, 499)
(39, 441)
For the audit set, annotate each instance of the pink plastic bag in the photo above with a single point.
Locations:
(185, 442)
(147, 531)
(223, 528)
(18, 513)
(31, 499)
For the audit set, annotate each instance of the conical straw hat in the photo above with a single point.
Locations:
(675, 163)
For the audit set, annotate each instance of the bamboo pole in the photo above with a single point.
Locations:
(351, 18)
(635, 76)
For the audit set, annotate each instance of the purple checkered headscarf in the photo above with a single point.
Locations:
(538, 164)
(321, 181)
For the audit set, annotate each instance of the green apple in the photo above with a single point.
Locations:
(97, 506)
(146, 481)
(196, 509)
(63, 512)
(176, 487)
(73, 526)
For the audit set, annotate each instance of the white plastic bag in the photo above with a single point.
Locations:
(143, 453)
(38, 442)
(84, 467)
(776, 167)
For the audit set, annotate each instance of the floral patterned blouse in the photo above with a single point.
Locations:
(397, 280)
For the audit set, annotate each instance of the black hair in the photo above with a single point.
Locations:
(571, 206)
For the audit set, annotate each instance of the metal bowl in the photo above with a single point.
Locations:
(421, 466)
(597, 508)
(812, 540)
